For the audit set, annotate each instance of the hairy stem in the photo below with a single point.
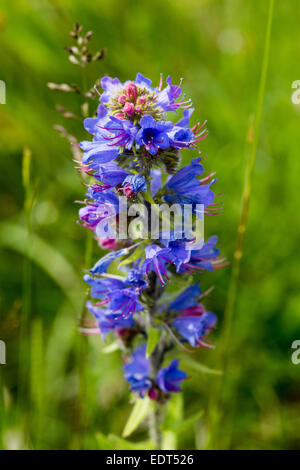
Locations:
(155, 359)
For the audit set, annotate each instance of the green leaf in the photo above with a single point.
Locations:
(138, 252)
(199, 367)
(153, 338)
(139, 412)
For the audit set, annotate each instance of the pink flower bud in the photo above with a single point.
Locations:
(138, 109)
(108, 243)
(122, 99)
(153, 393)
(142, 100)
(131, 91)
(127, 190)
(128, 109)
(120, 116)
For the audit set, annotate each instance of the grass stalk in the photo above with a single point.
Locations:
(215, 414)
(23, 365)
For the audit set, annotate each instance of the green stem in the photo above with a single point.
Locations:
(224, 353)
(155, 358)
(155, 425)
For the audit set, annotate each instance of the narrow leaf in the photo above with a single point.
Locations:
(153, 338)
(139, 412)
(134, 256)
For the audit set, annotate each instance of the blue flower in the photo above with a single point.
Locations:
(92, 125)
(99, 151)
(125, 302)
(100, 287)
(110, 174)
(135, 183)
(107, 320)
(111, 87)
(136, 278)
(103, 264)
(187, 298)
(124, 132)
(95, 212)
(203, 258)
(181, 136)
(166, 99)
(137, 371)
(153, 134)
(102, 206)
(179, 250)
(156, 260)
(168, 379)
(194, 328)
(187, 189)
(184, 181)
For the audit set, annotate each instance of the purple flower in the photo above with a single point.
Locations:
(111, 87)
(203, 258)
(103, 264)
(100, 287)
(168, 379)
(92, 124)
(180, 253)
(99, 151)
(136, 278)
(134, 184)
(181, 136)
(185, 188)
(107, 320)
(194, 327)
(184, 181)
(153, 134)
(166, 98)
(110, 174)
(187, 298)
(94, 213)
(103, 205)
(137, 371)
(156, 260)
(124, 132)
(125, 302)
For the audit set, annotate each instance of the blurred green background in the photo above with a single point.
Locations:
(59, 391)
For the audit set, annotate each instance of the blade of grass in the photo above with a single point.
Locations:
(23, 363)
(37, 383)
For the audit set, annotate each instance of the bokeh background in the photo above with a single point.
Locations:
(59, 391)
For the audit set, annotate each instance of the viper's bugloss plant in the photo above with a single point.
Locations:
(133, 158)
(131, 166)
